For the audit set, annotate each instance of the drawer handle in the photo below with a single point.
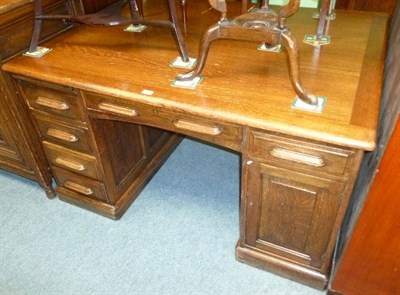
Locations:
(78, 188)
(297, 157)
(69, 164)
(195, 127)
(53, 104)
(117, 109)
(62, 135)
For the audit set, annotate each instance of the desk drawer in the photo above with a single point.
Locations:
(67, 135)
(71, 160)
(294, 153)
(80, 184)
(53, 99)
(223, 133)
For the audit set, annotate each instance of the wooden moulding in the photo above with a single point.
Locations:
(287, 269)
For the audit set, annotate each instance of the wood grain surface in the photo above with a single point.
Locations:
(242, 85)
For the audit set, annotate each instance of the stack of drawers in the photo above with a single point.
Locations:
(68, 145)
(102, 171)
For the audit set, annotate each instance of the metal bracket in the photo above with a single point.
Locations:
(38, 53)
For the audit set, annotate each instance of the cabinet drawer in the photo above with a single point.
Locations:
(80, 184)
(223, 133)
(74, 137)
(71, 160)
(294, 153)
(53, 99)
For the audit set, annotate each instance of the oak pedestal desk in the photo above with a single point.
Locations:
(107, 115)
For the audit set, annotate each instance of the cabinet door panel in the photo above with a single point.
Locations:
(121, 143)
(291, 214)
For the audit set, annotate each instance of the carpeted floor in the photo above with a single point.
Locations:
(178, 237)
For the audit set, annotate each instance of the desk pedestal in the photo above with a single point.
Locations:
(294, 195)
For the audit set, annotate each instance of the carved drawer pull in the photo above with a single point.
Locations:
(117, 109)
(62, 135)
(71, 165)
(195, 127)
(53, 104)
(78, 188)
(297, 157)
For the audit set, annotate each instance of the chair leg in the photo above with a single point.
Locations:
(136, 8)
(184, 15)
(139, 6)
(289, 43)
(37, 26)
(265, 4)
(176, 31)
(212, 33)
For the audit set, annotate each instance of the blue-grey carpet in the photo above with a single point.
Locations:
(178, 237)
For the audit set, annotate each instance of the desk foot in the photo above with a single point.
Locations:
(282, 267)
(50, 192)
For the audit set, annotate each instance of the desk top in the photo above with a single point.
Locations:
(241, 84)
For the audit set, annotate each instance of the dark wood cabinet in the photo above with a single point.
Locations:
(371, 261)
(368, 260)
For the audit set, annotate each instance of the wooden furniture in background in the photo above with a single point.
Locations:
(93, 6)
(298, 167)
(367, 5)
(369, 262)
